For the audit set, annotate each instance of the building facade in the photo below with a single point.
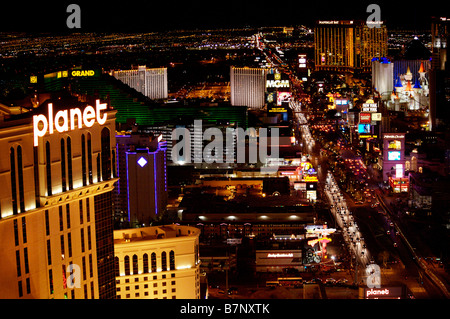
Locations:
(151, 82)
(56, 226)
(348, 45)
(248, 87)
(159, 262)
(142, 189)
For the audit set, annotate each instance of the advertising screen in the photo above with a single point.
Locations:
(395, 145)
(365, 118)
(393, 155)
(364, 128)
(283, 97)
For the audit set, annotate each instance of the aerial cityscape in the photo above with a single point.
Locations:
(288, 160)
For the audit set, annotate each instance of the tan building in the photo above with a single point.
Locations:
(348, 45)
(159, 262)
(57, 177)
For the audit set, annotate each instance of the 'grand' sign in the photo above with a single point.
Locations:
(42, 123)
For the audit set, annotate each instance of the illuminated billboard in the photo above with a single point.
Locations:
(394, 155)
(365, 118)
(364, 128)
(283, 97)
(395, 145)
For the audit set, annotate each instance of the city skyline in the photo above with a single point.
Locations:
(148, 17)
(235, 150)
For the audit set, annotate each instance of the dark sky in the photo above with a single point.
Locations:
(132, 15)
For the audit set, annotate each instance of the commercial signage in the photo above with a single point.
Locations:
(364, 128)
(376, 117)
(394, 135)
(283, 97)
(277, 83)
(76, 73)
(370, 106)
(43, 124)
(280, 255)
(365, 118)
(383, 293)
(393, 155)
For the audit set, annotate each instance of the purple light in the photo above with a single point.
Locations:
(142, 162)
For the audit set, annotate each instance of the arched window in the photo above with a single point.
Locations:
(48, 168)
(116, 266)
(127, 265)
(63, 165)
(69, 162)
(135, 265)
(89, 156)
(20, 176)
(164, 261)
(83, 159)
(145, 261)
(172, 260)
(106, 154)
(153, 260)
(12, 158)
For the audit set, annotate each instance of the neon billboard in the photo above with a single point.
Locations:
(43, 124)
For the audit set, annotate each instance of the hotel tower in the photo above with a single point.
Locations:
(248, 87)
(150, 82)
(57, 174)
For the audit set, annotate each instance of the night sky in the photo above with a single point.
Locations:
(147, 16)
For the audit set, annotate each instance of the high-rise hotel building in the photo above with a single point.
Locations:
(348, 45)
(142, 189)
(248, 87)
(57, 174)
(151, 82)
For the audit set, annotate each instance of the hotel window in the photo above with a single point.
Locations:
(62, 245)
(63, 166)
(135, 265)
(20, 175)
(83, 159)
(91, 267)
(153, 261)
(84, 267)
(48, 167)
(127, 265)
(172, 260)
(19, 271)
(28, 285)
(25, 257)
(47, 224)
(16, 232)
(69, 162)
(89, 238)
(12, 158)
(98, 168)
(68, 215)
(61, 220)
(106, 154)
(164, 261)
(50, 280)
(69, 243)
(49, 253)
(114, 168)
(88, 210)
(82, 239)
(89, 154)
(145, 262)
(80, 206)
